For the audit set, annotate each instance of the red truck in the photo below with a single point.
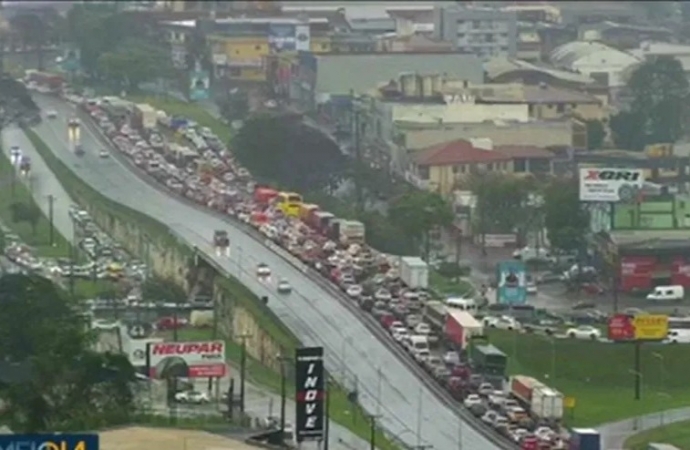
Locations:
(460, 326)
(264, 195)
(53, 82)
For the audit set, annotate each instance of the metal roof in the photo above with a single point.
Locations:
(496, 67)
(566, 54)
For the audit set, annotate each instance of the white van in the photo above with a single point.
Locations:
(417, 343)
(667, 293)
(463, 304)
(677, 337)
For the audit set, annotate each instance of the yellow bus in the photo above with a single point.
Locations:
(289, 203)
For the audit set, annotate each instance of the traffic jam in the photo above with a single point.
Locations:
(444, 337)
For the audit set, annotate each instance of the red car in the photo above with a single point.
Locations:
(170, 323)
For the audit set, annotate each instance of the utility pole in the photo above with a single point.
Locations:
(243, 367)
(51, 199)
(358, 154)
(372, 431)
(283, 395)
(72, 257)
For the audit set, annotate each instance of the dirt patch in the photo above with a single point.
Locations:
(141, 438)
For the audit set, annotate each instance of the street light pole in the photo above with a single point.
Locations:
(51, 235)
(662, 369)
(372, 431)
(283, 395)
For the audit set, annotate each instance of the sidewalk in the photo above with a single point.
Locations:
(614, 435)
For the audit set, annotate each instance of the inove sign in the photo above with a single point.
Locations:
(203, 359)
(610, 184)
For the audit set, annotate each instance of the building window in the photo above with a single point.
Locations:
(490, 166)
(573, 105)
(456, 169)
(560, 108)
(423, 172)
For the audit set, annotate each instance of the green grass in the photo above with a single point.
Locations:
(677, 434)
(342, 412)
(600, 376)
(40, 240)
(190, 111)
(448, 286)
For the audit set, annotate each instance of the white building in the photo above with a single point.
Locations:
(596, 60)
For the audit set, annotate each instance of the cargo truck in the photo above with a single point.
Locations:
(585, 439)
(460, 327)
(351, 232)
(145, 117)
(542, 401)
(414, 272)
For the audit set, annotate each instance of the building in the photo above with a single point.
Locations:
(443, 167)
(598, 61)
(528, 44)
(645, 258)
(542, 101)
(412, 19)
(505, 70)
(340, 77)
(650, 50)
(412, 43)
(243, 48)
(484, 32)
(624, 36)
(554, 35)
(535, 13)
(578, 13)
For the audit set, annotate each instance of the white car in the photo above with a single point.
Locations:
(382, 295)
(451, 358)
(502, 323)
(354, 291)
(284, 287)
(421, 355)
(263, 270)
(401, 336)
(584, 332)
(472, 400)
(397, 327)
(51, 114)
(104, 154)
(193, 397)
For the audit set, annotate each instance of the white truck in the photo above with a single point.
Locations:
(543, 401)
(414, 272)
(146, 116)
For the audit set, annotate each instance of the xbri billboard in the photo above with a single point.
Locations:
(610, 184)
(309, 393)
(204, 359)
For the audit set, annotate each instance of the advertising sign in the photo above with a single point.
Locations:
(302, 38)
(199, 84)
(203, 359)
(644, 327)
(281, 37)
(309, 393)
(621, 328)
(512, 283)
(651, 327)
(62, 441)
(610, 184)
(71, 59)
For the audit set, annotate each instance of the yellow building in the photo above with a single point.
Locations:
(242, 48)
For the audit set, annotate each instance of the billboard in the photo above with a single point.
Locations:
(512, 283)
(610, 184)
(643, 327)
(70, 61)
(199, 84)
(281, 38)
(309, 393)
(202, 359)
(302, 38)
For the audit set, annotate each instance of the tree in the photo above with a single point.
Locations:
(22, 212)
(160, 290)
(418, 212)
(280, 148)
(595, 134)
(659, 110)
(69, 386)
(502, 203)
(132, 63)
(235, 106)
(627, 130)
(37, 28)
(565, 220)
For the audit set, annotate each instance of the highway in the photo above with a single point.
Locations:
(407, 408)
